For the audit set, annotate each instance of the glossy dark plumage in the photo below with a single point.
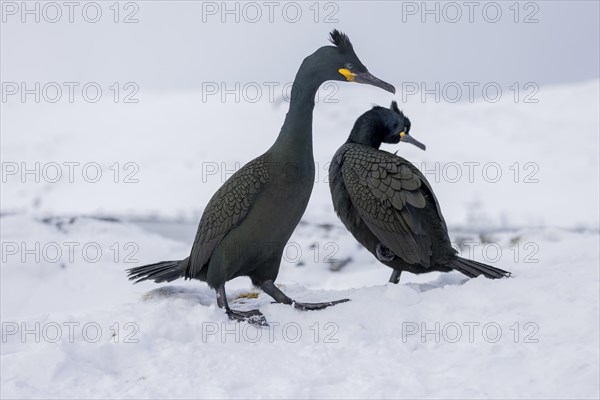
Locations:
(229, 205)
(248, 221)
(386, 202)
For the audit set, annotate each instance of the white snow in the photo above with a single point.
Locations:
(534, 335)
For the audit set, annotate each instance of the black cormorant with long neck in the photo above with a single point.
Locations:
(248, 221)
(388, 205)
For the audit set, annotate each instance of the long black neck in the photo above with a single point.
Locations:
(295, 137)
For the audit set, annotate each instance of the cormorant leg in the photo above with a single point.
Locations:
(273, 291)
(395, 278)
(383, 253)
(254, 317)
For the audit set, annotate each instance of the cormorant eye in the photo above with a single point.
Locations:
(349, 65)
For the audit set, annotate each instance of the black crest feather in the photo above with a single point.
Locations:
(341, 40)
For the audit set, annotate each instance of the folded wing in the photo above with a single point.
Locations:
(390, 195)
(227, 209)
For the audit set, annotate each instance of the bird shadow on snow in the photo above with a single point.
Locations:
(198, 295)
(193, 295)
(440, 282)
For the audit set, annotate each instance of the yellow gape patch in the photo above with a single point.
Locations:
(347, 74)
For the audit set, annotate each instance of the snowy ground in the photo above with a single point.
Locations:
(74, 327)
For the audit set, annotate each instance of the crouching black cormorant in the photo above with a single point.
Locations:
(248, 221)
(388, 205)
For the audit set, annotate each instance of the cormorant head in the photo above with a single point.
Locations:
(342, 64)
(399, 127)
(383, 125)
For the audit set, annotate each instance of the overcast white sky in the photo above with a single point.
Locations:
(177, 45)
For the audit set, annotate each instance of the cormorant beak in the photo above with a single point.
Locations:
(368, 78)
(405, 137)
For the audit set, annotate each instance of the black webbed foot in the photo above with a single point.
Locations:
(317, 306)
(383, 253)
(280, 297)
(253, 317)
